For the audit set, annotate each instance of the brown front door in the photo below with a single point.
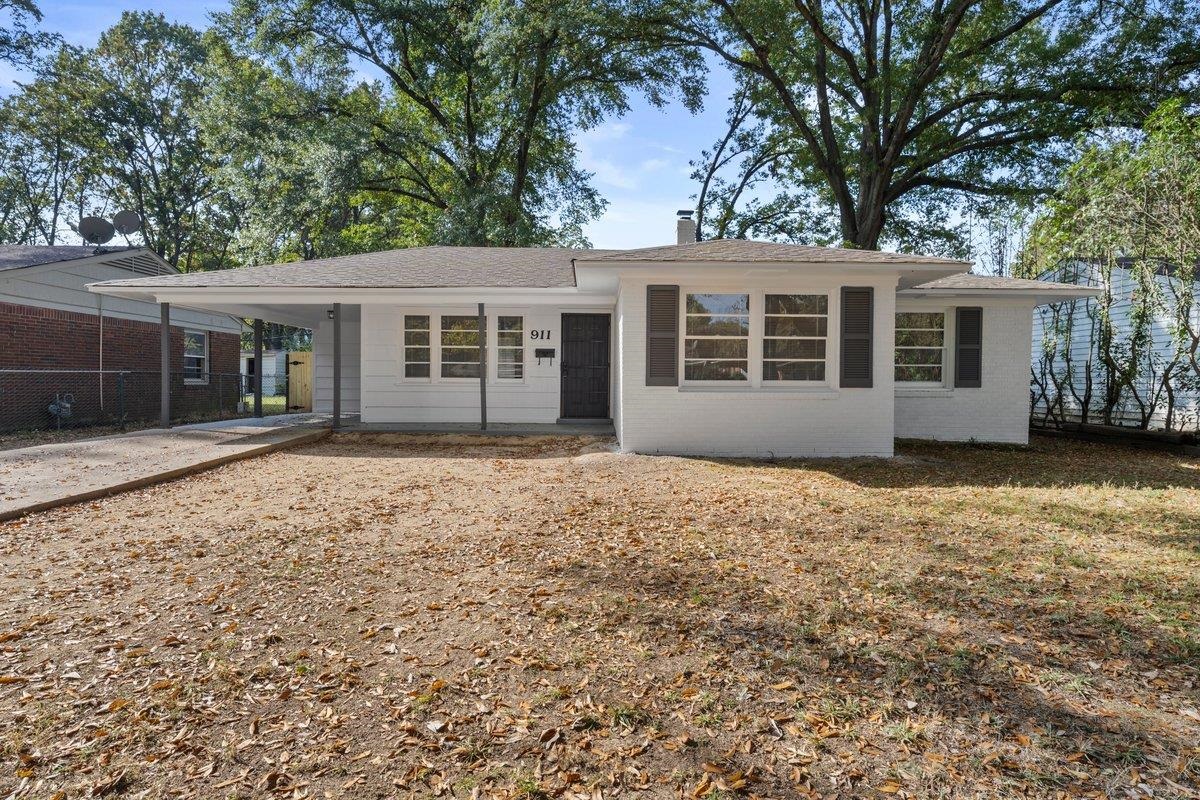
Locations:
(585, 362)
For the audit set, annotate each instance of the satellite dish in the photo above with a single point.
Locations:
(96, 230)
(127, 222)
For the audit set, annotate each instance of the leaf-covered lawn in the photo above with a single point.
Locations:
(402, 616)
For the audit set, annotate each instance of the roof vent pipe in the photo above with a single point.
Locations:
(685, 228)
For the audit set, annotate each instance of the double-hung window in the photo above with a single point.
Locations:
(460, 346)
(795, 329)
(195, 357)
(447, 346)
(510, 348)
(716, 345)
(416, 346)
(920, 346)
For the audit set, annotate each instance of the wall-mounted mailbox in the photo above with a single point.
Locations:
(543, 352)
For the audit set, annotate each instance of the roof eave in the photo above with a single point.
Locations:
(950, 268)
(1046, 295)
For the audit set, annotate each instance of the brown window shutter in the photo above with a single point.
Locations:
(968, 348)
(858, 312)
(662, 335)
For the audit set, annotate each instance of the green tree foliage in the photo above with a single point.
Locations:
(115, 126)
(1131, 202)
(878, 117)
(20, 40)
(138, 93)
(466, 132)
(44, 175)
(292, 170)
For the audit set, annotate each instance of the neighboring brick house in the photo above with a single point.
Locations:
(57, 338)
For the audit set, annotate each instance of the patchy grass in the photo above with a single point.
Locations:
(394, 616)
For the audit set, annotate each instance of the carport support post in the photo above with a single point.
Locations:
(164, 334)
(482, 370)
(258, 360)
(337, 365)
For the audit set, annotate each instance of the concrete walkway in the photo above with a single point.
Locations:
(493, 428)
(37, 478)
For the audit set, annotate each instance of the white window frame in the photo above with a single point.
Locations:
(684, 336)
(945, 362)
(757, 329)
(202, 381)
(404, 329)
(491, 321)
(487, 324)
(824, 360)
(494, 350)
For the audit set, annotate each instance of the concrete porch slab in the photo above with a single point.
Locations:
(493, 428)
(47, 476)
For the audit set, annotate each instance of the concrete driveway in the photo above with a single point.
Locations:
(37, 478)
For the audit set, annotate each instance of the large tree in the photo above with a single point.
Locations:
(44, 169)
(20, 40)
(294, 171)
(472, 105)
(887, 113)
(116, 126)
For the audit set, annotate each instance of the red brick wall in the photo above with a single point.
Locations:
(50, 339)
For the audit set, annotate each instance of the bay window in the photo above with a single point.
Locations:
(716, 344)
(920, 346)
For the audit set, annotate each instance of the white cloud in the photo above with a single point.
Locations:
(654, 164)
(604, 132)
(634, 223)
(608, 173)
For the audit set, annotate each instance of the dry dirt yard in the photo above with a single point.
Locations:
(410, 617)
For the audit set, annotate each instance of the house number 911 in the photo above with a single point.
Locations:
(539, 334)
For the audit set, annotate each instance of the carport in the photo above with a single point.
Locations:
(326, 320)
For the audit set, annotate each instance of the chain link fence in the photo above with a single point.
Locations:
(45, 399)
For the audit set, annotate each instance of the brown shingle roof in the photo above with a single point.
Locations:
(407, 268)
(757, 252)
(19, 256)
(504, 267)
(969, 282)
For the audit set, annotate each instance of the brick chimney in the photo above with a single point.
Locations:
(685, 228)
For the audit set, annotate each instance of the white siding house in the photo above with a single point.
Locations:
(60, 282)
(1069, 371)
(701, 348)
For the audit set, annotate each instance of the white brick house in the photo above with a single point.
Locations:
(706, 348)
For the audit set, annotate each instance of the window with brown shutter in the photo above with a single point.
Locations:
(662, 335)
(858, 311)
(968, 348)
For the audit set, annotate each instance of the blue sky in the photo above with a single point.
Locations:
(640, 161)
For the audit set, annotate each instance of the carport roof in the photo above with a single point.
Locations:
(408, 268)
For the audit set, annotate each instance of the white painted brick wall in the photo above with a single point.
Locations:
(996, 412)
(751, 421)
(618, 362)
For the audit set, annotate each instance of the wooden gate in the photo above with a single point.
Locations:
(299, 383)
